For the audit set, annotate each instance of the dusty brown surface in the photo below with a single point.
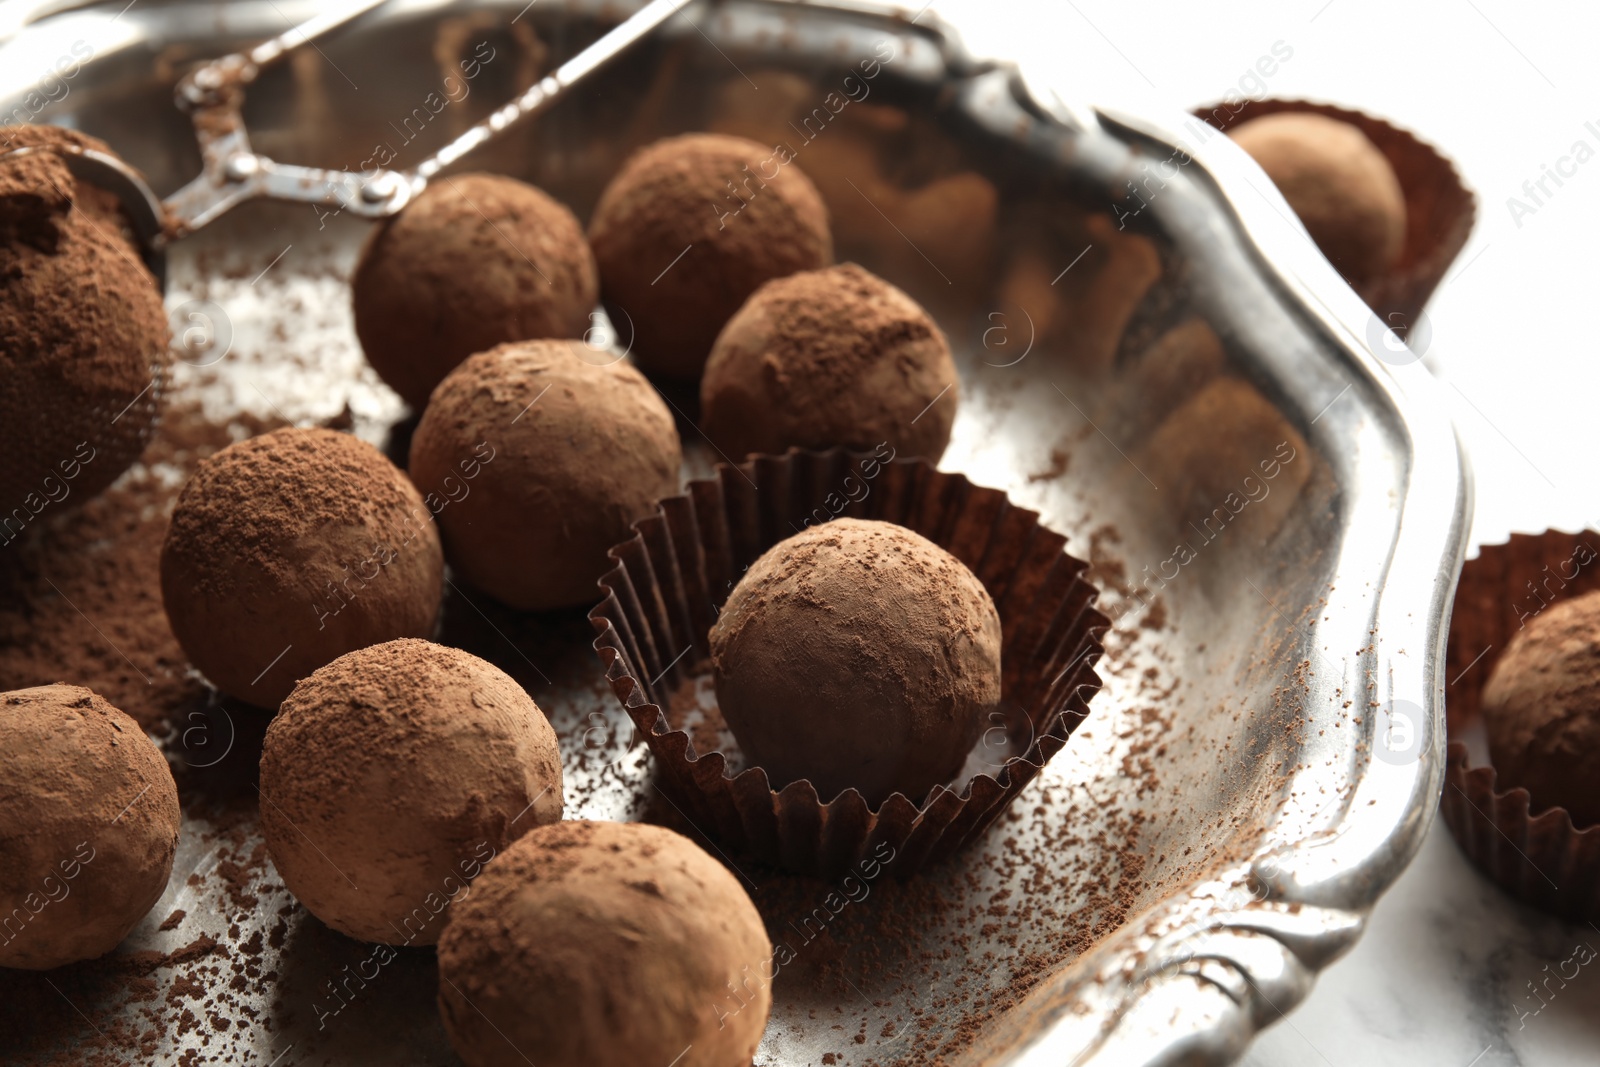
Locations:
(834, 357)
(737, 213)
(536, 457)
(80, 594)
(414, 764)
(602, 942)
(85, 338)
(1542, 709)
(289, 549)
(1339, 184)
(860, 655)
(83, 858)
(475, 261)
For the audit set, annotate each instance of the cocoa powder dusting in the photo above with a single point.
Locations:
(882, 973)
(80, 592)
(85, 336)
(657, 204)
(331, 545)
(82, 602)
(886, 628)
(826, 358)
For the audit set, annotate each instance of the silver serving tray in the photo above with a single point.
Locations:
(1290, 703)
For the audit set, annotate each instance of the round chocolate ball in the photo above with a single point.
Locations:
(830, 357)
(88, 826)
(474, 261)
(857, 654)
(1541, 706)
(688, 229)
(1340, 185)
(83, 335)
(605, 943)
(392, 775)
(536, 459)
(290, 549)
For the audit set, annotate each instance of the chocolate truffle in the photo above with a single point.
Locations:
(1541, 705)
(290, 549)
(88, 826)
(830, 357)
(83, 334)
(474, 261)
(537, 460)
(392, 775)
(688, 229)
(1340, 185)
(857, 654)
(605, 943)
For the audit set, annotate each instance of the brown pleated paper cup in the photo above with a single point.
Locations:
(1530, 850)
(674, 575)
(1440, 210)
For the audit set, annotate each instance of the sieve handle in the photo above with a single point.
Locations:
(233, 173)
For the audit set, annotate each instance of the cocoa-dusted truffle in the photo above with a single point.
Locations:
(88, 826)
(688, 229)
(605, 943)
(290, 549)
(1340, 185)
(392, 775)
(83, 334)
(474, 261)
(830, 357)
(1541, 705)
(857, 654)
(540, 458)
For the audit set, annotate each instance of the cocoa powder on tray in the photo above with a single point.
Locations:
(80, 591)
(1014, 917)
(80, 601)
(124, 1008)
(857, 948)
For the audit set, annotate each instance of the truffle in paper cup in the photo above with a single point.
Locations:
(673, 576)
(1440, 210)
(1531, 850)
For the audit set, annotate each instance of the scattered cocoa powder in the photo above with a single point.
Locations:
(1069, 864)
(80, 592)
(1059, 458)
(692, 708)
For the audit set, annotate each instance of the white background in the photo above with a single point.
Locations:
(1501, 88)
(1504, 89)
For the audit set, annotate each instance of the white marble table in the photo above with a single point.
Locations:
(1450, 973)
(1445, 972)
